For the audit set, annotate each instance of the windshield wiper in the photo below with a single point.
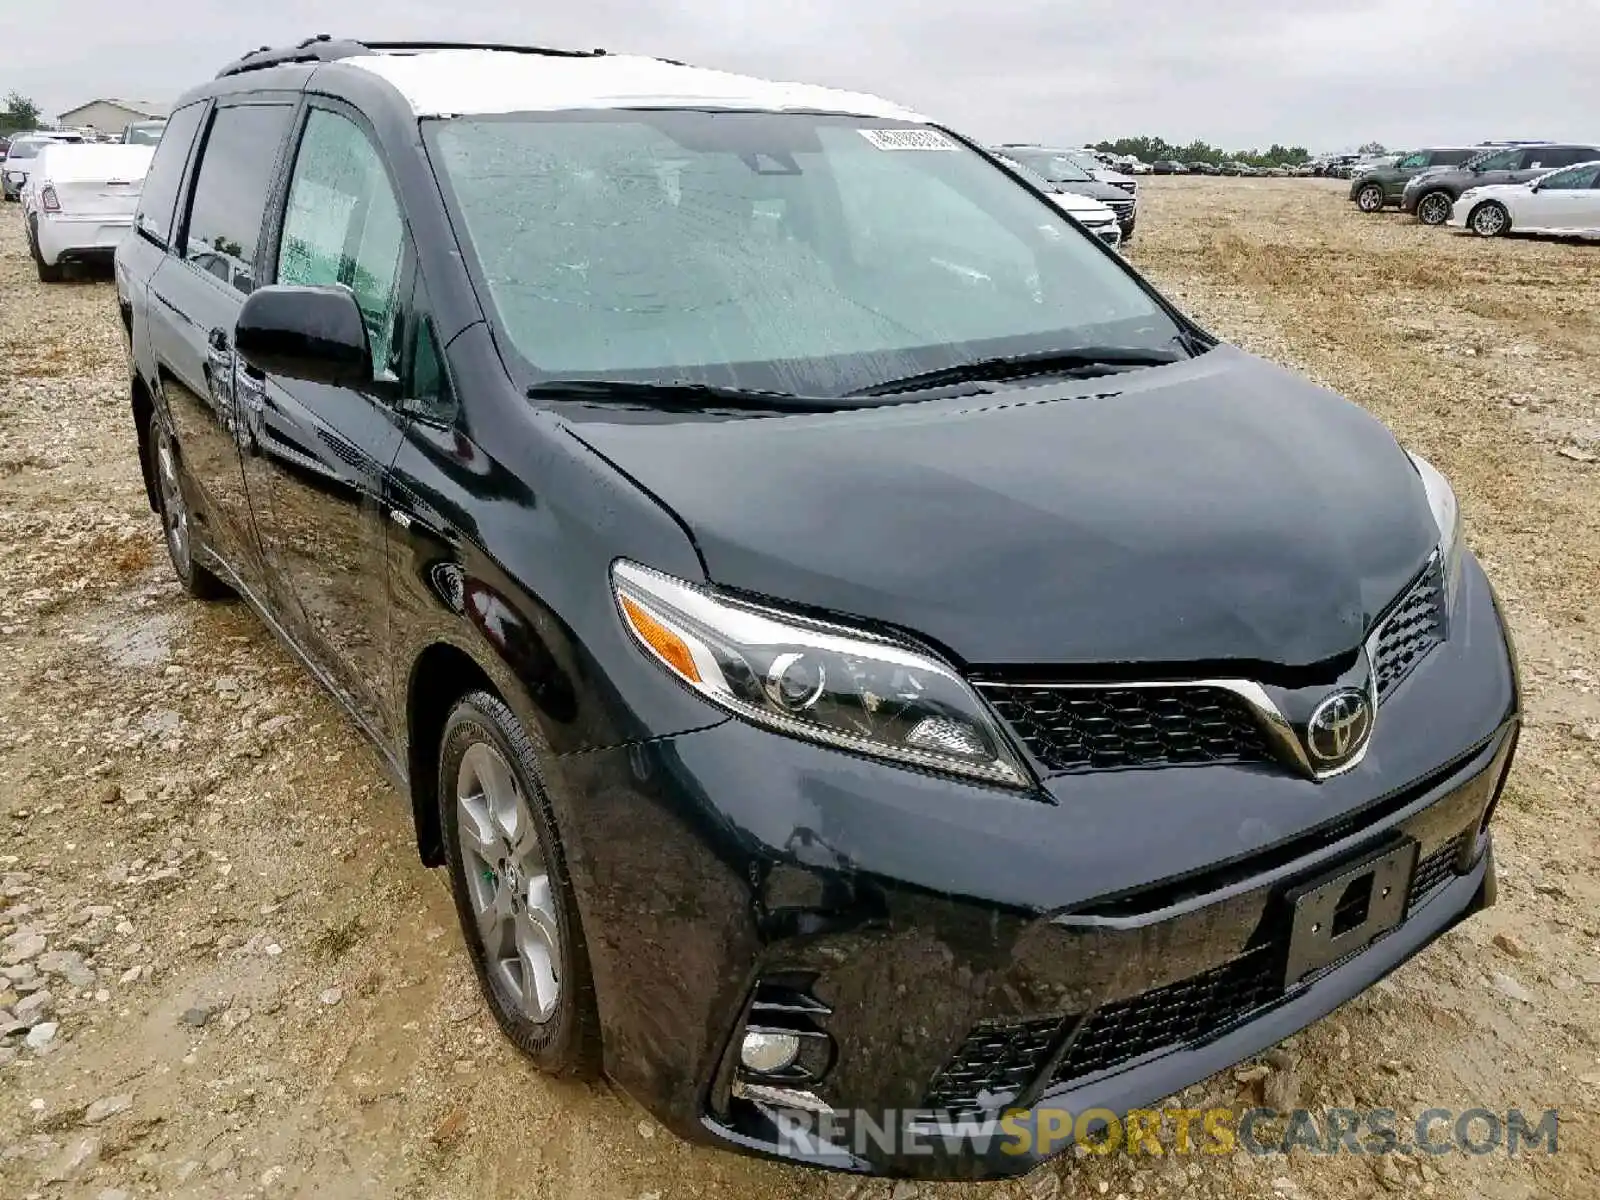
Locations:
(1014, 366)
(677, 394)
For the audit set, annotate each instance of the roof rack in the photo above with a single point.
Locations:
(325, 48)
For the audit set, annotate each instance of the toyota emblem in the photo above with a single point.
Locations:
(1339, 727)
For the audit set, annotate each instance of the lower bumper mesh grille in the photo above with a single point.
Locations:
(998, 1060)
(1190, 1010)
(994, 1060)
(1437, 868)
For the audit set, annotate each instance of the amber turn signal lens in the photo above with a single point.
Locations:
(662, 640)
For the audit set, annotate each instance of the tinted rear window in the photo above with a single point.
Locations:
(1451, 158)
(165, 176)
(230, 191)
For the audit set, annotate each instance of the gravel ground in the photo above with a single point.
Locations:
(225, 973)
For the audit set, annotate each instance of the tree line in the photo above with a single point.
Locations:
(1151, 149)
(19, 114)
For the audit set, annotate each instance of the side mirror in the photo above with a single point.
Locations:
(312, 333)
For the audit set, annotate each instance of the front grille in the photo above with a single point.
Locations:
(1413, 629)
(998, 1059)
(1123, 208)
(1191, 1010)
(1096, 728)
(1436, 869)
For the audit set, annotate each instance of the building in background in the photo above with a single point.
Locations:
(110, 116)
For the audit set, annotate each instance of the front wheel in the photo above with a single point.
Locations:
(1370, 198)
(515, 901)
(1434, 208)
(1489, 219)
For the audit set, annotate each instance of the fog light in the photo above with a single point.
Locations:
(768, 1053)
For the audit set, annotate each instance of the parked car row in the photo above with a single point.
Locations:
(1079, 172)
(1527, 187)
(1169, 166)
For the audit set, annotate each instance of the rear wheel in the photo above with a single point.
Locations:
(1434, 208)
(1370, 198)
(47, 273)
(1489, 219)
(176, 526)
(515, 901)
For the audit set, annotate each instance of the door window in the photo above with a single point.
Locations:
(1571, 179)
(230, 191)
(343, 225)
(159, 195)
(1419, 159)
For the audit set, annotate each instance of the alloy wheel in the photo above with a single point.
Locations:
(174, 509)
(1489, 220)
(1370, 198)
(508, 883)
(1434, 209)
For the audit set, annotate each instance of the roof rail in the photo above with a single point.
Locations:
(325, 48)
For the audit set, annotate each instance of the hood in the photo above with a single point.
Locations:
(1093, 188)
(1082, 207)
(1219, 508)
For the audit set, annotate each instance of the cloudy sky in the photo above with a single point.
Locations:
(1327, 74)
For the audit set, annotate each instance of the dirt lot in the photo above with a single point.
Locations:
(253, 988)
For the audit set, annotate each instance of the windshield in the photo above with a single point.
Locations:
(148, 134)
(23, 150)
(791, 252)
(1052, 165)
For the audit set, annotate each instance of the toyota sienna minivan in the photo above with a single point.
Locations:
(876, 674)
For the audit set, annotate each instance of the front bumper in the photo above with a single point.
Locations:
(1462, 208)
(962, 945)
(1110, 233)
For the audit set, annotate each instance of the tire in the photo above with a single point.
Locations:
(513, 895)
(177, 529)
(1370, 198)
(47, 273)
(1489, 219)
(1434, 208)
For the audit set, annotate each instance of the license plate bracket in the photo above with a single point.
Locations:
(1346, 909)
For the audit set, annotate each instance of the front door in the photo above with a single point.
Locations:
(315, 455)
(1566, 200)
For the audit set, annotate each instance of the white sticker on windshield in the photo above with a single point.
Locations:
(907, 139)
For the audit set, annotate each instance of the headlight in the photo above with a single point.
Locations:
(846, 688)
(1447, 516)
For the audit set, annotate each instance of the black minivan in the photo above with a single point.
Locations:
(882, 681)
